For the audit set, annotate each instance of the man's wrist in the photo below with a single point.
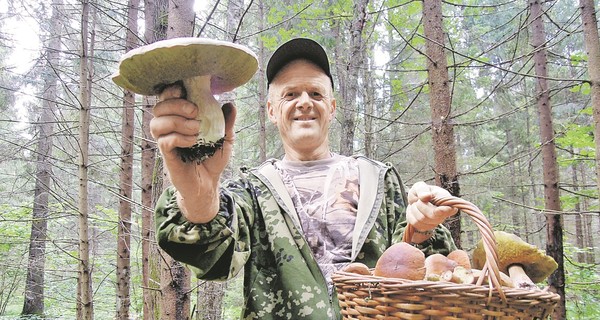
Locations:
(421, 238)
(427, 233)
(198, 210)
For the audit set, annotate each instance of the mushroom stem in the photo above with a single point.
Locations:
(520, 278)
(210, 116)
(212, 123)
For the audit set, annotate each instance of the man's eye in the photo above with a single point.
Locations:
(290, 95)
(316, 95)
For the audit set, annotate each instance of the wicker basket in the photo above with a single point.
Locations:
(371, 297)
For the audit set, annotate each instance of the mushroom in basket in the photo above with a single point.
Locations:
(401, 260)
(202, 68)
(525, 264)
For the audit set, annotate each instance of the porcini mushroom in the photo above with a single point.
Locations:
(505, 280)
(461, 257)
(358, 268)
(439, 268)
(524, 263)
(462, 273)
(401, 260)
(203, 67)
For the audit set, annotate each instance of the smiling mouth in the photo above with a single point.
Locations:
(304, 119)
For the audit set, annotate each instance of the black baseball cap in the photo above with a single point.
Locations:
(299, 48)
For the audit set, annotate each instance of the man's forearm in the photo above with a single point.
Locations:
(200, 208)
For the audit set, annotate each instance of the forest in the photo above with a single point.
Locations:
(496, 101)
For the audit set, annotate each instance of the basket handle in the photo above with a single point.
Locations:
(490, 268)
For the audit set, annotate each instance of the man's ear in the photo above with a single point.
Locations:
(333, 107)
(270, 112)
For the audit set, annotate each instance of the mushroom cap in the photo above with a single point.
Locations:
(401, 260)
(147, 69)
(513, 250)
(461, 257)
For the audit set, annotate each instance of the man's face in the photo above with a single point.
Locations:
(302, 106)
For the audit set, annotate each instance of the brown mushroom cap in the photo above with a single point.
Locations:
(147, 69)
(513, 250)
(359, 268)
(461, 257)
(401, 260)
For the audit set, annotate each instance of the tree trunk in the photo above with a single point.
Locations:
(369, 101)
(592, 47)
(262, 88)
(181, 19)
(175, 278)
(85, 306)
(155, 29)
(588, 231)
(126, 178)
(440, 102)
(352, 63)
(34, 284)
(210, 300)
(554, 226)
(517, 219)
(579, 228)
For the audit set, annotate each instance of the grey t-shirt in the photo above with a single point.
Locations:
(325, 195)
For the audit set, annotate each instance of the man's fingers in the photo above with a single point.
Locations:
(174, 124)
(172, 91)
(445, 211)
(175, 107)
(419, 220)
(167, 143)
(230, 113)
(420, 191)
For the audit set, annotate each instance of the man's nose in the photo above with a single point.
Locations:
(304, 100)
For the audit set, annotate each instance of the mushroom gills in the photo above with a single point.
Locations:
(203, 68)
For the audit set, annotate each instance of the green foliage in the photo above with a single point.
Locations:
(578, 57)
(584, 88)
(233, 300)
(583, 287)
(14, 226)
(14, 223)
(578, 137)
(492, 101)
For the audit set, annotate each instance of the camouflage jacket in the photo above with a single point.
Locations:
(257, 229)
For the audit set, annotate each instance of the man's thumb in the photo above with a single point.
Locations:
(229, 112)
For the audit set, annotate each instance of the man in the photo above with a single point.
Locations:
(289, 223)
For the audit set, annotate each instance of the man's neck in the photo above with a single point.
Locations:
(303, 156)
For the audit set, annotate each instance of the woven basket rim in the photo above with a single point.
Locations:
(341, 278)
(371, 289)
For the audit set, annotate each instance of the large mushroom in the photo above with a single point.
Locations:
(401, 260)
(203, 67)
(525, 264)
